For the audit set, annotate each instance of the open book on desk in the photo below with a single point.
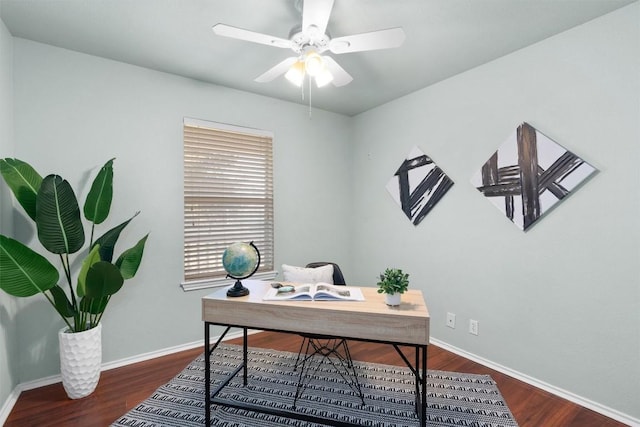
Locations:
(316, 292)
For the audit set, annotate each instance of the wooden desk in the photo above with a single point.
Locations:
(370, 320)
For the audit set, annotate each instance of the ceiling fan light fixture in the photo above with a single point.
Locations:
(313, 63)
(296, 73)
(324, 78)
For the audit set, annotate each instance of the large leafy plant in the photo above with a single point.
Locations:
(52, 204)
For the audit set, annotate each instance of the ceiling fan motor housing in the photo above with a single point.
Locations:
(301, 40)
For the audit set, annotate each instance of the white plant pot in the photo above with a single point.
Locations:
(80, 360)
(393, 299)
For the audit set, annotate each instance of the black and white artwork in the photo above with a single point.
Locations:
(418, 185)
(529, 174)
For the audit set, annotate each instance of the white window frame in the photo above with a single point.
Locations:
(228, 180)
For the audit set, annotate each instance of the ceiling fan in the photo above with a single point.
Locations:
(309, 41)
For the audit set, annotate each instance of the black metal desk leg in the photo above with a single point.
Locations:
(423, 412)
(244, 352)
(418, 382)
(207, 376)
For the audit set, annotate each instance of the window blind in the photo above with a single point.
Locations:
(228, 196)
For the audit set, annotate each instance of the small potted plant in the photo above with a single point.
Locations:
(393, 283)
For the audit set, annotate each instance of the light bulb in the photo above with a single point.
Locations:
(296, 73)
(313, 63)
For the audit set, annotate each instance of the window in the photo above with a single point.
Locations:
(228, 197)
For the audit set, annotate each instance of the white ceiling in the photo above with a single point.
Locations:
(443, 38)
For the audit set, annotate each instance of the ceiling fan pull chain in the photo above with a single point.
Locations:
(309, 84)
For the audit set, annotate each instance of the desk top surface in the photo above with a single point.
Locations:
(371, 319)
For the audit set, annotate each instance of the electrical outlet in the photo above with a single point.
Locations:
(451, 320)
(473, 327)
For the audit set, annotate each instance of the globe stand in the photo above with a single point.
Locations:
(237, 290)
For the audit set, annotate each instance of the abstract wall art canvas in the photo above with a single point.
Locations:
(529, 175)
(418, 185)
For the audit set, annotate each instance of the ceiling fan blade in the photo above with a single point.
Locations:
(316, 13)
(383, 39)
(241, 34)
(277, 70)
(340, 76)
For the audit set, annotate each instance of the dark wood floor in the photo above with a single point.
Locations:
(121, 389)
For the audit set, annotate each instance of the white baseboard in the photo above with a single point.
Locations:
(164, 352)
(567, 395)
(8, 404)
(30, 385)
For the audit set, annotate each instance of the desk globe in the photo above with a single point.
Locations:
(240, 260)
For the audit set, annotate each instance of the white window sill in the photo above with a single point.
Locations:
(224, 281)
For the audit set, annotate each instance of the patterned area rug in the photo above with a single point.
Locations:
(453, 399)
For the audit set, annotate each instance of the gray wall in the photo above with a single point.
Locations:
(73, 112)
(559, 303)
(8, 338)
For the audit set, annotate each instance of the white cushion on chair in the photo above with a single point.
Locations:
(323, 274)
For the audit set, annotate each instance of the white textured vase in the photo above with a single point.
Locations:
(80, 360)
(393, 299)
